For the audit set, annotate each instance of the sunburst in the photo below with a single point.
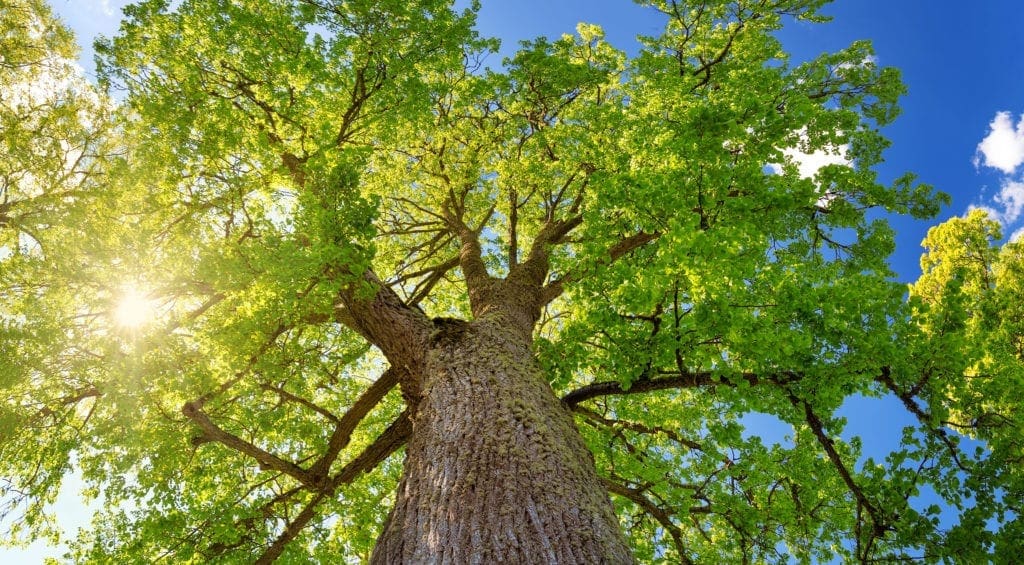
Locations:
(134, 308)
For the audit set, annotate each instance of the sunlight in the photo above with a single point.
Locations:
(134, 309)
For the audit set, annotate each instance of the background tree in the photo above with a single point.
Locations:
(54, 144)
(562, 280)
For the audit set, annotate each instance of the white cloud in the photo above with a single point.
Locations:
(1017, 235)
(1007, 206)
(993, 214)
(1003, 147)
(868, 61)
(808, 164)
(1011, 198)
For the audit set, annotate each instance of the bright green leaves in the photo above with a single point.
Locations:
(279, 85)
(281, 101)
(50, 125)
(699, 214)
(228, 209)
(334, 220)
(32, 36)
(543, 77)
(960, 253)
(751, 270)
(53, 142)
(757, 255)
(965, 364)
(504, 155)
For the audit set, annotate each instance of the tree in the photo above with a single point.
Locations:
(316, 233)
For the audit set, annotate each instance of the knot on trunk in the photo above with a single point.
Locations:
(448, 331)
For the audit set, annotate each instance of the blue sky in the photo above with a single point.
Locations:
(961, 130)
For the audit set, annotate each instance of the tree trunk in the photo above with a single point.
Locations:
(496, 471)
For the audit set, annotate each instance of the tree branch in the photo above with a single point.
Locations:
(388, 442)
(400, 331)
(818, 428)
(478, 280)
(193, 411)
(291, 531)
(198, 403)
(284, 395)
(624, 246)
(684, 380)
(706, 66)
(636, 497)
(513, 227)
(638, 427)
(265, 512)
(90, 391)
(914, 408)
(347, 424)
(437, 273)
(535, 268)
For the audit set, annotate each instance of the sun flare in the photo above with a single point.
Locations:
(134, 309)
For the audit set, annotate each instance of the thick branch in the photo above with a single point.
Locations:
(624, 246)
(400, 331)
(818, 428)
(513, 227)
(386, 444)
(535, 268)
(379, 314)
(347, 424)
(266, 459)
(685, 380)
(636, 497)
(627, 244)
(88, 392)
(478, 280)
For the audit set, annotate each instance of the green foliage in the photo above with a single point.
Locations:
(267, 154)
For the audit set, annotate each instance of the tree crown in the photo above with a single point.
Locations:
(291, 190)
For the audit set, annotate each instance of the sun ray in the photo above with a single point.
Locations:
(134, 309)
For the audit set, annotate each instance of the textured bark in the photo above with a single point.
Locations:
(495, 471)
(397, 329)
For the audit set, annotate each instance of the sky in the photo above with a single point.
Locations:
(962, 127)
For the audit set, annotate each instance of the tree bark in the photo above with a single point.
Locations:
(495, 471)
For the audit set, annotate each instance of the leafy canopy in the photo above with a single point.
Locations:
(266, 154)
